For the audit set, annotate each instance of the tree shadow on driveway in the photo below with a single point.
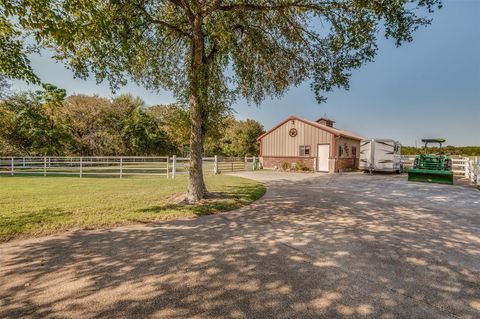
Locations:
(347, 247)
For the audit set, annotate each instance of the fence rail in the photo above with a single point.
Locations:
(461, 166)
(169, 166)
(118, 166)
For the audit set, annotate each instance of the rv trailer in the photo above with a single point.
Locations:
(380, 155)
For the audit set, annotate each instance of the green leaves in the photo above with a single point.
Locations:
(240, 138)
(33, 126)
(4, 86)
(249, 48)
(224, 136)
(50, 95)
(253, 49)
(14, 61)
(45, 123)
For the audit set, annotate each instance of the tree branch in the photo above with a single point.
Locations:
(212, 53)
(171, 27)
(214, 5)
(257, 7)
(161, 22)
(184, 5)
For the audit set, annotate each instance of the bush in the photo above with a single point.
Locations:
(302, 167)
(286, 166)
(294, 167)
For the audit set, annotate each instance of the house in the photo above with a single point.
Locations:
(319, 145)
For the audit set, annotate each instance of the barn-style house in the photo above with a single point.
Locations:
(319, 145)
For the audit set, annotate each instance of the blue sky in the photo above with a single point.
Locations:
(427, 88)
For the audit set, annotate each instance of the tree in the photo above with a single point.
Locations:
(241, 138)
(14, 62)
(95, 125)
(208, 52)
(122, 126)
(141, 133)
(7, 118)
(449, 150)
(174, 120)
(4, 86)
(34, 124)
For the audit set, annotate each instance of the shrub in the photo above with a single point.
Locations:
(286, 166)
(302, 167)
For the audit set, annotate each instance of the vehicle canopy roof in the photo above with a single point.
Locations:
(434, 140)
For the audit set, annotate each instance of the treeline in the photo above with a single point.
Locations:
(48, 123)
(450, 150)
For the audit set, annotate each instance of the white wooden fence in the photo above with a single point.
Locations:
(118, 166)
(461, 166)
(472, 170)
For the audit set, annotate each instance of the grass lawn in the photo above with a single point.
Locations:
(31, 206)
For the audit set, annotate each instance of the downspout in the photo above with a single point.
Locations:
(337, 137)
(260, 153)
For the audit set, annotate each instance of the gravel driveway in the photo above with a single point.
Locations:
(316, 246)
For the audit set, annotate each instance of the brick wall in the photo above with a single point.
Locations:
(347, 164)
(272, 162)
(340, 164)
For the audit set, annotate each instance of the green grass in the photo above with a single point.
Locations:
(32, 206)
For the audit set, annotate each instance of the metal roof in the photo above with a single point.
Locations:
(334, 131)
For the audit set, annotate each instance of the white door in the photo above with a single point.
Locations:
(322, 157)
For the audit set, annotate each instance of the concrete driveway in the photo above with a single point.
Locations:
(319, 246)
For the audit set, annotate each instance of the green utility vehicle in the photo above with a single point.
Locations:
(432, 168)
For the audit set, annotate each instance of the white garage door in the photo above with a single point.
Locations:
(322, 160)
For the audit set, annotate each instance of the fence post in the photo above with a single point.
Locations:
(466, 163)
(471, 169)
(215, 165)
(477, 171)
(466, 169)
(44, 166)
(168, 168)
(12, 168)
(81, 166)
(174, 165)
(121, 167)
(23, 162)
(245, 165)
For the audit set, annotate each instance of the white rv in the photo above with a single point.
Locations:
(381, 155)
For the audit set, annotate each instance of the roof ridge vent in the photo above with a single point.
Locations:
(324, 120)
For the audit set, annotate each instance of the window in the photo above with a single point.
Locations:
(354, 151)
(304, 150)
(340, 151)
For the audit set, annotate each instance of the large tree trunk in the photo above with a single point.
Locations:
(196, 184)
